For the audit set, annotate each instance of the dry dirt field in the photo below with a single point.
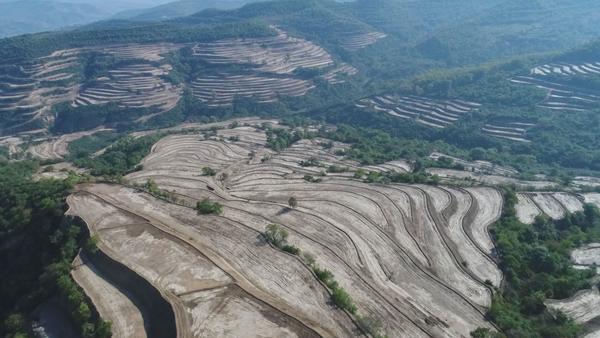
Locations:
(415, 257)
(584, 308)
(427, 111)
(551, 204)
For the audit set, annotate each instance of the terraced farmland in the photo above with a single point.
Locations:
(477, 166)
(568, 69)
(413, 256)
(356, 41)
(553, 205)
(583, 308)
(269, 62)
(344, 69)
(221, 90)
(148, 52)
(57, 147)
(132, 86)
(561, 95)
(430, 112)
(29, 90)
(514, 131)
(280, 54)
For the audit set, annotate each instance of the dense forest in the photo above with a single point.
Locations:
(535, 260)
(38, 246)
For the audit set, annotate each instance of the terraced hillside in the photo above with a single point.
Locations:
(430, 112)
(221, 90)
(483, 172)
(27, 91)
(583, 306)
(514, 131)
(263, 68)
(553, 205)
(280, 54)
(356, 41)
(563, 95)
(132, 86)
(414, 257)
(269, 64)
(335, 76)
(567, 69)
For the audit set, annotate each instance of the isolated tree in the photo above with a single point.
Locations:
(276, 235)
(292, 202)
(208, 171)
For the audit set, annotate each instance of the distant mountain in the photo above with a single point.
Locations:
(32, 16)
(178, 8)
(29, 16)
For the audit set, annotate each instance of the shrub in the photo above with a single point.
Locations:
(276, 235)
(206, 207)
(291, 249)
(311, 162)
(359, 173)
(208, 171)
(324, 275)
(336, 169)
(308, 258)
(311, 179)
(342, 299)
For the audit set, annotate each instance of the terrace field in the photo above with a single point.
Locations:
(414, 257)
(306, 168)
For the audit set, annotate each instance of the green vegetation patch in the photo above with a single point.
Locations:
(535, 260)
(120, 158)
(37, 249)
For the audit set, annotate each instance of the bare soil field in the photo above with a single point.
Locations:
(567, 69)
(337, 75)
(280, 54)
(514, 131)
(111, 303)
(221, 90)
(585, 181)
(133, 86)
(430, 112)
(588, 255)
(552, 204)
(480, 178)
(593, 198)
(356, 41)
(415, 257)
(483, 167)
(583, 308)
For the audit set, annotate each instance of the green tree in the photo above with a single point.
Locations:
(276, 235)
(292, 202)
